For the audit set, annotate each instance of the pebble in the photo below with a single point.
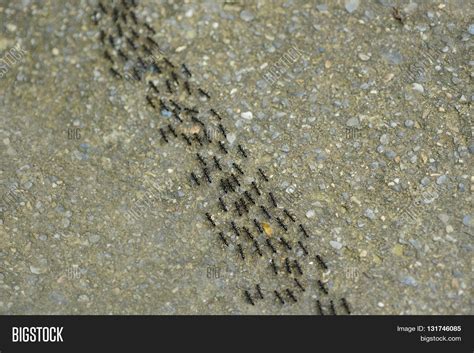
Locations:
(449, 229)
(364, 57)
(335, 244)
(247, 16)
(247, 115)
(94, 238)
(231, 137)
(467, 221)
(369, 213)
(441, 179)
(409, 281)
(418, 87)
(471, 29)
(352, 122)
(384, 139)
(310, 214)
(409, 123)
(351, 5)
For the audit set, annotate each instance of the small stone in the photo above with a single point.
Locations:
(449, 229)
(247, 16)
(231, 137)
(441, 179)
(409, 123)
(247, 115)
(310, 214)
(443, 217)
(418, 87)
(369, 214)
(351, 5)
(409, 281)
(467, 221)
(471, 29)
(352, 122)
(364, 57)
(384, 139)
(335, 244)
(94, 238)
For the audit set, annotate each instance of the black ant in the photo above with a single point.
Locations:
(270, 245)
(122, 55)
(247, 233)
(291, 295)
(255, 187)
(146, 49)
(234, 228)
(174, 77)
(284, 242)
(264, 210)
(249, 298)
(321, 262)
(223, 206)
(124, 17)
(200, 159)
(152, 85)
(170, 128)
(272, 198)
(115, 14)
(262, 174)
(204, 93)
(257, 248)
(155, 67)
(249, 197)
(244, 205)
(195, 179)
(221, 128)
(176, 105)
(221, 236)
(237, 207)
(108, 57)
(111, 40)
(279, 297)
(169, 63)
(150, 102)
(298, 284)
(322, 287)
(206, 134)
(333, 309)
(149, 28)
(217, 164)
(275, 269)
(197, 138)
(234, 179)
(302, 247)
(102, 8)
(206, 174)
(242, 151)
(230, 187)
(222, 147)
(135, 34)
(102, 37)
(281, 224)
(236, 166)
(163, 135)
(141, 62)
(177, 117)
(186, 70)
(168, 86)
(241, 252)
(130, 42)
(223, 185)
(136, 74)
(196, 120)
(289, 215)
(163, 106)
(134, 17)
(287, 265)
(115, 73)
(257, 225)
(298, 267)
(213, 112)
(119, 30)
(320, 308)
(346, 305)
(186, 86)
(259, 291)
(186, 138)
(209, 218)
(304, 231)
(191, 110)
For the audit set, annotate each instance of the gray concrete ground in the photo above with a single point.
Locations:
(360, 112)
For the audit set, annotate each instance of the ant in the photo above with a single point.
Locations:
(291, 295)
(237, 207)
(200, 159)
(270, 245)
(186, 138)
(221, 236)
(213, 112)
(333, 309)
(321, 262)
(242, 151)
(209, 218)
(169, 63)
(130, 42)
(234, 228)
(249, 197)
(115, 73)
(108, 57)
(304, 231)
(241, 252)
(244, 205)
(221, 128)
(163, 135)
(149, 28)
(262, 174)
(186, 70)
(259, 291)
(298, 267)
(287, 265)
(222, 147)
(249, 298)
(150, 102)
(247, 232)
(281, 224)
(170, 128)
(264, 210)
(223, 206)
(275, 270)
(186, 86)
(279, 297)
(257, 248)
(272, 198)
(302, 247)
(236, 166)
(346, 305)
(255, 187)
(195, 179)
(257, 225)
(289, 215)
(320, 308)
(152, 85)
(298, 284)
(204, 93)
(206, 174)
(216, 163)
(322, 287)
(284, 242)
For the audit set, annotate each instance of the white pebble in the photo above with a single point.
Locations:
(247, 115)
